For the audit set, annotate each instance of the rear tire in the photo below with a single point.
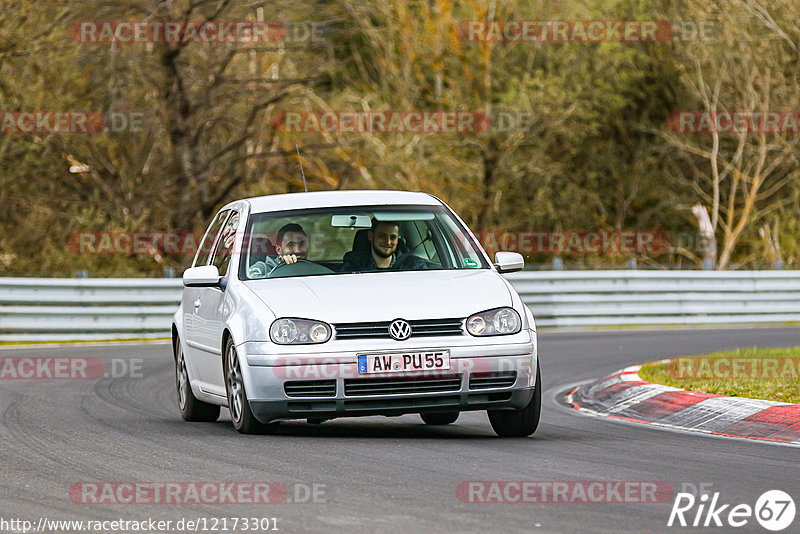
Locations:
(191, 408)
(523, 422)
(439, 418)
(242, 417)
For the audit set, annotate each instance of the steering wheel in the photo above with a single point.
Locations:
(300, 267)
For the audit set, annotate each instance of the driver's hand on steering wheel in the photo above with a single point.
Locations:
(258, 270)
(289, 258)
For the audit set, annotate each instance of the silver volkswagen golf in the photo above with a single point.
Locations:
(352, 303)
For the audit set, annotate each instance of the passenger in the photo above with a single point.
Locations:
(291, 245)
(383, 237)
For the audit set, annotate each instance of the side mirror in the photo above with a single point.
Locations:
(205, 276)
(508, 262)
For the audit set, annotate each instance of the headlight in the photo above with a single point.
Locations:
(299, 332)
(495, 322)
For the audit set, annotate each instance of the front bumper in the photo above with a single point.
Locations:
(268, 411)
(342, 388)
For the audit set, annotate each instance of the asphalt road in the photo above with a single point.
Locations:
(377, 474)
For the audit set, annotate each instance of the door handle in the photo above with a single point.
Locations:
(196, 304)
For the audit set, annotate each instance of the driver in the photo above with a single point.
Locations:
(291, 245)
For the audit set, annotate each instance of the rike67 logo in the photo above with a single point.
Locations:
(774, 510)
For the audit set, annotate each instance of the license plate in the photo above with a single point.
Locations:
(403, 362)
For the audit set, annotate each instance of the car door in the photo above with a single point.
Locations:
(190, 296)
(211, 311)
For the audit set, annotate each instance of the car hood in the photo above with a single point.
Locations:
(345, 298)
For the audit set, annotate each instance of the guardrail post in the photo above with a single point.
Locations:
(632, 264)
(558, 264)
(83, 273)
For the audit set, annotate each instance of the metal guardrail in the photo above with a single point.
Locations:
(616, 298)
(108, 308)
(86, 308)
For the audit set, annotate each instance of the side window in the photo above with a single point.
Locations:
(205, 247)
(224, 248)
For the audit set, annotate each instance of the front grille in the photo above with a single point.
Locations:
(501, 379)
(310, 388)
(419, 328)
(388, 386)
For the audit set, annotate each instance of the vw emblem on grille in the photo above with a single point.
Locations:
(400, 329)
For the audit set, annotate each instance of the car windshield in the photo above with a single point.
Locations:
(346, 240)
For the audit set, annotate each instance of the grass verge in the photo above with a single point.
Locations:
(754, 373)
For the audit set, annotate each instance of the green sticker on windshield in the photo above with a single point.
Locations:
(469, 262)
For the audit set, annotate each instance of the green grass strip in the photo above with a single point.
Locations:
(754, 373)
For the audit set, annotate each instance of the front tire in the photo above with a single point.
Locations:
(439, 418)
(191, 408)
(243, 419)
(315, 420)
(523, 422)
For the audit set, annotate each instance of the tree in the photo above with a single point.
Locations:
(739, 177)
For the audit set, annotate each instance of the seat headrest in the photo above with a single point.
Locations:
(361, 242)
(261, 247)
(402, 245)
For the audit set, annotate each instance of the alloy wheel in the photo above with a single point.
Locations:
(235, 387)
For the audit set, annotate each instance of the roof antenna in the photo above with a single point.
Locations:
(305, 185)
